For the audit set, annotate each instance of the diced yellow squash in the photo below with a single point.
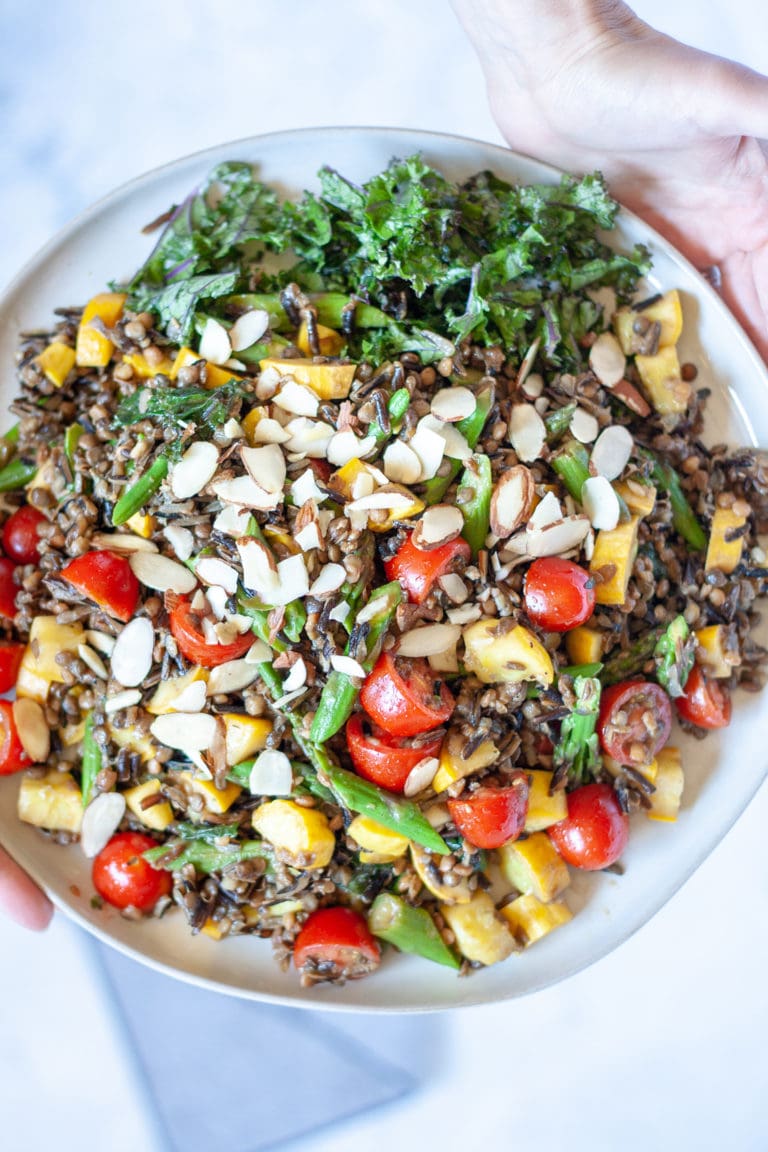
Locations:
(211, 928)
(52, 801)
(29, 684)
(343, 479)
(544, 809)
(217, 800)
(616, 770)
(158, 815)
(245, 736)
(142, 367)
(529, 919)
(277, 536)
(533, 865)
(714, 653)
(615, 552)
(331, 342)
(665, 801)
(639, 498)
(381, 520)
(214, 376)
(367, 857)
(660, 375)
(375, 838)
(250, 420)
(427, 867)
(166, 694)
(497, 655)
(92, 350)
(302, 836)
(56, 362)
(134, 740)
(723, 552)
(453, 767)
(142, 524)
(481, 935)
(328, 381)
(584, 645)
(667, 310)
(47, 638)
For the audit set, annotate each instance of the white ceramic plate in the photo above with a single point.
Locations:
(722, 773)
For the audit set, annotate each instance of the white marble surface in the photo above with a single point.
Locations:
(661, 1045)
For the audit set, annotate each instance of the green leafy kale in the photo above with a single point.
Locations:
(175, 407)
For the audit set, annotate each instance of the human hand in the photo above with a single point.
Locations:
(680, 135)
(21, 898)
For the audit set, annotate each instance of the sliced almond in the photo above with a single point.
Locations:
(33, 732)
(293, 580)
(248, 329)
(584, 426)
(297, 676)
(246, 493)
(269, 431)
(233, 429)
(553, 539)
(266, 466)
(308, 537)
(101, 641)
(191, 699)
(215, 346)
(430, 449)
(533, 386)
(453, 404)
(231, 521)
(161, 573)
(454, 587)
(101, 820)
(181, 540)
(271, 774)
(421, 776)
(527, 362)
(259, 568)
(389, 498)
(439, 525)
(547, 511)
(187, 732)
(195, 468)
(345, 446)
(304, 488)
(607, 360)
(126, 542)
(600, 502)
(612, 451)
(232, 676)
(428, 640)
(401, 463)
(297, 399)
(511, 501)
(456, 445)
(527, 432)
(339, 612)
(347, 666)
(122, 700)
(93, 661)
(132, 658)
(330, 579)
(267, 383)
(212, 570)
(309, 437)
(217, 598)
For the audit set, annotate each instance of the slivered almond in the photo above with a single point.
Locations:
(132, 657)
(527, 362)
(584, 426)
(297, 399)
(347, 666)
(122, 542)
(93, 661)
(511, 501)
(191, 699)
(453, 404)
(269, 431)
(421, 776)
(439, 525)
(600, 502)
(33, 732)
(161, 573)
(547, 511)
(266, 466)
(330, 578)
(339, 612)
(233, 429)
(122, 700)
(271, 774)
(197, 603)
(101, 641)
(101, 820)
(612, 451)
(428, 640)
(308, 537)
(454, 587)
(195, 468)
(232, 676)
(248, 328)
(607, 360)
(181, 540)
(212, 570)
(259, 568)
(217, 598)
(214, 342)
(267, 383)
(527, 432)
(401, 463)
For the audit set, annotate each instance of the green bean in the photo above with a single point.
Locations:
(331, 308)
(90, 761)
(16, 475)
(294, 621)
(577, 752)
(397, 406)
(71, 440)
(135, 497)
(208, 857)
(571, 462)
(581, 670)
(477, 477)
(683, 517)
(409, 929)
(558, 422)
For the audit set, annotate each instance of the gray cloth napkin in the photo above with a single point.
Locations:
(221, 1073)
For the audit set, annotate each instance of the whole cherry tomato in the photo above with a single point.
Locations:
(8, 588)
(705, 703)
(405, 697)
(187, 631)
(595, 832)
(106, 579)
(336, 943)
(635, 721)
(559, 595)
(10, 659)
(122, 876)
(492, 816)
(12, 755)
(384, 759)
(418, 571)
(20, 539)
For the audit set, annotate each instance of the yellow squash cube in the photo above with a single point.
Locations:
(217, 800)
(584, 645)
(164, 698)
(92, 349)
(668, 311)
(29, 684)
(723, 551)
(454, 767)
(534, 866)
(426, 867)
(328, 381)
(142, 367)
(211, 928)
(134, 740)
(639, 498)
(47, 638)
(157, 816)
(613, 558)
(245, 736)
(660, 375)
(142, 524)
(52, 801)
(714, 653)
(669, 781)
(214, 376)
(500, 655)
(529, 919)
(480, 934)
(56, 362)
(544, 809)
(376, 839)
(331, 342)
(302, 836)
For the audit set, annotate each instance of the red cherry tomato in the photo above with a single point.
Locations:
(418, 571)
(10, 659)
(705, 703)
(336, 943)
(405, 697)
(20, 538)
(490, 817)
(106, 579)
(595, 832)
(383, 759)
(12, 755)
(122, 876)
(559, 595)
(8, 588)
(187, 631)
(635, 721)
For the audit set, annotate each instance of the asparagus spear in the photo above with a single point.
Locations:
(558, 422)
(571, 462)
(683, 517)
(674, 654)
(207, 857)
(622, 665)
(577, 751)
(477, 477)
(409, 929)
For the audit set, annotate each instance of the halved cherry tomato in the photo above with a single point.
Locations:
(10, 658)
(383, 759)
(405, 697)
(122, 876)
(8, 588)
(418, 571)
(106, 579)
(335, 943)
(559, 595)
(705, 703)
(635, 721)
(12, 755)
(595, 832)
(490, 817)
(187, 631)
(20, 538)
